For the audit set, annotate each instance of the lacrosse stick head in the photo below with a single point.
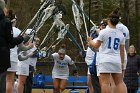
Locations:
(58, 15)
(63, 31)
(41, 1)
(28, 31)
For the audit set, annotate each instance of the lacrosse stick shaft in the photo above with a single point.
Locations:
(74, 40)
(77, 22)
(48, 33)
(40, 9)
(51, 44)
(85, 25)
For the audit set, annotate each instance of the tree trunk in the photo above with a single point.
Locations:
(120, 3)
(126, 12)
(137, 8)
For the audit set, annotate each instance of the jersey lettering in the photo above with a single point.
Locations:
(124, 34)
(115, 43)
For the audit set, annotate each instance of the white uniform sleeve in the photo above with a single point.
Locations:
(101, 36)
(70, 61)
(127, 35)
(54, 55)
(16, 32)
(123, 29)
(123, 41)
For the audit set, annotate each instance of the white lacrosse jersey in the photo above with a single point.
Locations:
(125, 32)
(23, 66)
(60, 69)
(89, 56)
(13, 51)
(110, 47)
(33, 60)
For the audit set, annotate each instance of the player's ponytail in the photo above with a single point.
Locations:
(114, 17)
(117, 11)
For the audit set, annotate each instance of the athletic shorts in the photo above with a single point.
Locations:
(109, 67)
(60, 76)
(23, 69)
(13, 67)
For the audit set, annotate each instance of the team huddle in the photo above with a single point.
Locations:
(106, 57)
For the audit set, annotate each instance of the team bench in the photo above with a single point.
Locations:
(79, 83)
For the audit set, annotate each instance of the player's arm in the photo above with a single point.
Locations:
(122, 46)
(122, 53)
(127, 45)
(127, 42)
(24, 56)
(48, 53)
(23, 47)
(74, 68)
(93, 49)
(95, 45)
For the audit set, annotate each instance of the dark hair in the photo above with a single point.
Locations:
(11, 15)
(103, 22)
(117, 10)
(63, 46)
(114, 16)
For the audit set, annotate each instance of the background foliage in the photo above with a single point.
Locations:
(26, 9)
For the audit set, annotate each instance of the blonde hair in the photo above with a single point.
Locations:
(2, 4)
